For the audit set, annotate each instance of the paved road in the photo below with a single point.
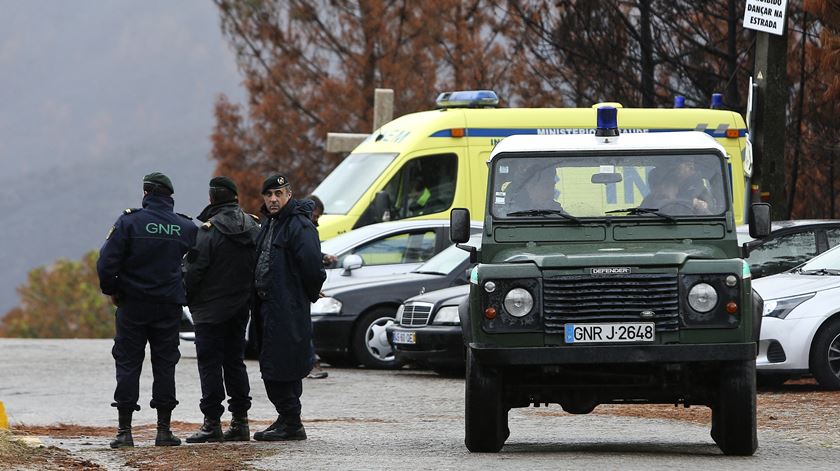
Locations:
(360, 419)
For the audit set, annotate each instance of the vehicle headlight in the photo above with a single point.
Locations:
(702, 297)
(447, 315)
(518, 302)
(325, 306)
(400, 312)
(780, 308)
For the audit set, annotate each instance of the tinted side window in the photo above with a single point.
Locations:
(425, 185)
(833, 236)
(399, 248)
(782, 253)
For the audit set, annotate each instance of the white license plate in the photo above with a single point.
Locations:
(409, 338)
(610, 332)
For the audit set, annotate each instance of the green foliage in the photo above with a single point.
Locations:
(61, 301)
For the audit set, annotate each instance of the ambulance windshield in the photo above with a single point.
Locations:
(350, 180)
(572, 187)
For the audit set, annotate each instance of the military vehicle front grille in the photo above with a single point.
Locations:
(612, 298)
(775, 352)
(416, 314)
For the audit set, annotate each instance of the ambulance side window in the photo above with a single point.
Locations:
(425, 185)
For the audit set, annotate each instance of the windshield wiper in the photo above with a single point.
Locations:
(819, 271)
(545, 212)
(425, 272)
(636, 211)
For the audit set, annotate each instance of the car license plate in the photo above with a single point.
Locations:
(405, 338)
(610, 332)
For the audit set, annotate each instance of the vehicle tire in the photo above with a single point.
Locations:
(733, 414)
(485, 420)
(825, 355)
(370, 341)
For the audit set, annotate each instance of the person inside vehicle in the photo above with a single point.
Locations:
(533, 190)
(666, 193)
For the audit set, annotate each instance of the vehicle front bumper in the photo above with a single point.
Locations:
(437, 345)
(331, 334)
(616, 354)
(793, 336)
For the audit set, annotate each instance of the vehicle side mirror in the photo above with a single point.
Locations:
(759, 220)
(350, 263)
(382, 206)
(459, 225)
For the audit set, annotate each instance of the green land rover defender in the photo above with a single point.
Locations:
(610, 273)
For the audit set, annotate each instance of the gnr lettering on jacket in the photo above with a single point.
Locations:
(168, 229)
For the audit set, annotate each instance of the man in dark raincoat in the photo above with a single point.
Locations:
(219, 277)
(288, 277)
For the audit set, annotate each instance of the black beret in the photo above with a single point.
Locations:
(159, 179)
(275, 181)
(223, 182)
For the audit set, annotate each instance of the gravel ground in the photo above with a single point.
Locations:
(359, 419)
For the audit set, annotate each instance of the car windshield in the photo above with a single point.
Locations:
(449, 259)
(571, 187)
(828, 261)
(348, 182)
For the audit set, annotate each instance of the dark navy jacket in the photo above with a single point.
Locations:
(296, 273)
(141, 259)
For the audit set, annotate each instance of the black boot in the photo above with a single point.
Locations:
(164, 435)
(278, 424)
(238, 431)
(293, 430)
(210, 431)
(124, 439)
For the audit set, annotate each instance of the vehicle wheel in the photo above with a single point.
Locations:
(825, 355)
(485, 420)
(370, 341)
(733, 414)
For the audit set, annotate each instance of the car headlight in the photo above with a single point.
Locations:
(780, 308)
(325, 306)
(702, 297)
(400, 311)
(518, 302)
(447, 315)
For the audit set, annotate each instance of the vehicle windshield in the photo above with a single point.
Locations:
(827, 261)
(348, 182)
(449, 259)
(569, 187)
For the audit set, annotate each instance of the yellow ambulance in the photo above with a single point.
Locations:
(423, 164)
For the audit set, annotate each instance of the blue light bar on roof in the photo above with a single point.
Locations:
(468, 99)
(607, 122)
(717, 101)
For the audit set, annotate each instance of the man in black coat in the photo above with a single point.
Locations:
(139, 267)
(288, 277)
(219, 276)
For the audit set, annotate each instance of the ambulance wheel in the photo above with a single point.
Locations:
(733, 414)
(486, 421)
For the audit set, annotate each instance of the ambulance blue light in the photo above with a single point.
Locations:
(468, 99)
(717, 101)
(679, 101)
(607, 122)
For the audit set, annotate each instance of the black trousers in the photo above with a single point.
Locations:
(139, 322)
(220, 349)
(285, 395)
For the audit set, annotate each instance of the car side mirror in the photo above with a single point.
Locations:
(350, 263)
(459, 225)
(382, 206)
(759, 220)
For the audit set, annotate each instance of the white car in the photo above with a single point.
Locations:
(800, 329)
(387, 248)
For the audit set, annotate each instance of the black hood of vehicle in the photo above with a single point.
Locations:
(443, 296)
